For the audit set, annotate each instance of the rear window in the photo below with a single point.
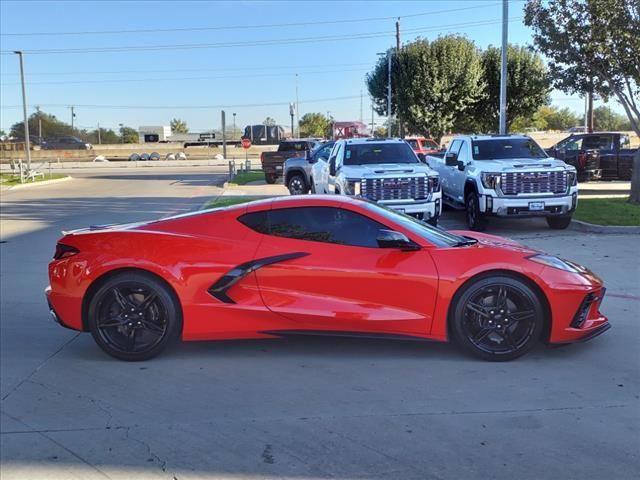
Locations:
(506, 148)
(293, 147)
(413, 143)
(373, 153)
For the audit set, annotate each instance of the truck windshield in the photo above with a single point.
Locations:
(506, 148)
(372, 153)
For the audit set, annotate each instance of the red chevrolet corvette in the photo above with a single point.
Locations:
(315, 265)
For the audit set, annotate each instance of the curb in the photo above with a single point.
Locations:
(580, 226)
(36, 184)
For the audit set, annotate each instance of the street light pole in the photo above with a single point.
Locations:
(503, 68)
(27, 140)
(389, 95)
(234, 125)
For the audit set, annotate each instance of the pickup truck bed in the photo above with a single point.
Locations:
(273, 162)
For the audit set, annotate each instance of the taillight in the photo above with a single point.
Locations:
(64, 251)
(582, 159)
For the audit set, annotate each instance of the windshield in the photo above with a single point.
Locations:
(436, 236)
(373, 153)
(506, 148)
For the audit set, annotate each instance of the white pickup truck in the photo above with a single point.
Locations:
(507, 176)
(386, 171)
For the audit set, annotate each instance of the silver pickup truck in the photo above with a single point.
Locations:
(507, 176)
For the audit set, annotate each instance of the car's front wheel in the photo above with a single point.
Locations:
(133, 316)
(475, 218)
(497, 318)
(559, 223)
(297, 185)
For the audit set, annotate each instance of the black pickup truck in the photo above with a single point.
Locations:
(614, 152)
(573, 150)
(273, 162)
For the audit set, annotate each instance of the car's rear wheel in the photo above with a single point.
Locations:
(133, 316)
(297, 185)
(559, 223)
(270, 178)
(497, 318)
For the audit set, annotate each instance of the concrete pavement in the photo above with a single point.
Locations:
(302, 408)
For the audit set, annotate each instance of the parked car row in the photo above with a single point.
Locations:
(506, 176)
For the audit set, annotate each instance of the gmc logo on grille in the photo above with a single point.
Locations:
(393, 183)
(535, 178)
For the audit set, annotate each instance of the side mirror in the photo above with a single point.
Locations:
(332, 166)
(451, 159)
(461, 165)
(422, 157)
(393, 239)
(307, 155)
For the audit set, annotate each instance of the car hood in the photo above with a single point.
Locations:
(387, 170)
(522, 165)
(485, 239)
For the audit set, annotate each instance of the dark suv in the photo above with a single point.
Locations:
(65, 143)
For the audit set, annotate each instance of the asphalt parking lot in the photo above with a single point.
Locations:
(302, 408)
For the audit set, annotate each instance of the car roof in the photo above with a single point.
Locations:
(493, 137)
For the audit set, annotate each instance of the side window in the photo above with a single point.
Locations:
(455, 146)
(625, 142)
(257, 221)
(463, 154)
(601, 142)
(324, 152)
(325, 224)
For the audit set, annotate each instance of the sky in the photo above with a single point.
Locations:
(248, 58)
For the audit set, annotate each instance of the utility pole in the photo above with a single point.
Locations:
(373, 125)
(224, 136)
(588, 118)
(503, 68)
(292, 113)
(234, 125)
(401, 132)
(121, 132)
(361, 117)
(389, 54)
(73, 116)
(27, 140)
(297, 108)
(99, 137)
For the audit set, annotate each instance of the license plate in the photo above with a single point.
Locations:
(536, 206)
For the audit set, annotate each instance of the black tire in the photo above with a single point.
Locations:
(297, 185)
(559, 223)
(475, 218)
(497, 318)
(433, 221)
(270, 178)
(134, 316)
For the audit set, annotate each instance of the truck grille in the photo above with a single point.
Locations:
(407, 188)
(533, 182)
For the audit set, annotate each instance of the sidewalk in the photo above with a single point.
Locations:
(612, 189)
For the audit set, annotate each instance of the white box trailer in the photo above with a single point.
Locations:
(154, 134)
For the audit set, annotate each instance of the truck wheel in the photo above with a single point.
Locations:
(297, 185)
(475, 219)
(270, 178)
(433, 221)
(559, 223)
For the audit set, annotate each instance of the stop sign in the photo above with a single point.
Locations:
(246, 143)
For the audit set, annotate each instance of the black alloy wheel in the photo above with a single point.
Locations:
(498, 318)
(297, 185)
(475, 219)
(134, 316)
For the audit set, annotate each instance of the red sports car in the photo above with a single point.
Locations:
(315, 265)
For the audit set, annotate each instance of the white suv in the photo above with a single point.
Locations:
(386, 171)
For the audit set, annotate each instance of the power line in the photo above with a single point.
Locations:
(182, 107)
(245, 27)
(162, 79)
(252, 43)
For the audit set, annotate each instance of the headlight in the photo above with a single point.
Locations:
(434, 183)
(352, 186)
(572, 178)
(559, 263)
(491, 180)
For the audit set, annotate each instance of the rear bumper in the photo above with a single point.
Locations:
(52, 311)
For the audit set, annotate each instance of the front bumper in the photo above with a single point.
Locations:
(427, 208)
(522, 206)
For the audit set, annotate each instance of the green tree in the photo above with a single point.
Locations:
(178, 126)
(51, 126)
(593, 46)
(313, 125)
(129, 135)
(269, 122)
(528, 86)
(107, 136)
(604, 118)
(433, 84)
